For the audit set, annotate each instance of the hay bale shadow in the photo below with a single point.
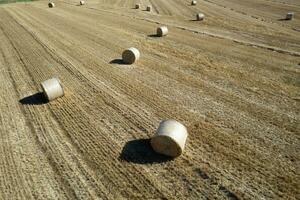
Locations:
(118, 61)
(283, 19)
(140, 151)
(34, 99)
(153, 35)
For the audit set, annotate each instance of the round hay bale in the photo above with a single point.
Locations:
(51, 5)
(289, 16)
(52, 89)
(162, 31)
(82, 2)
(193, 3)
(130, 55)
(170, 138)
(137, 6)
(149, 8)
(200, 17)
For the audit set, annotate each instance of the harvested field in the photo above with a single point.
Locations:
(232, 79)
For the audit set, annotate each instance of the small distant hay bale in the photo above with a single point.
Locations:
(193, 3)
(149, 8)
(289, 16)
(81, 3)
(52, 89)
(200, 16)
(51, 5)
(170, 138)
(130, 55)
(137, 6)
(162, 31)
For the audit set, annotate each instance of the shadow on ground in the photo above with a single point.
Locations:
(140, 151)
(153, 35)
(34, 99)
(117, 61)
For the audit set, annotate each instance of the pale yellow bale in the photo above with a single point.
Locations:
(170, 138)
(149, 8)
(130, 55)
(289, 16)
(162, 31)
(51, 5)
(200, 16)
(52, 89)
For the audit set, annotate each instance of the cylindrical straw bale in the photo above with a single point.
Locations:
(82, 2)
(137, 6)
(289, 16)
(170, 138)
(193, 3)
(52, 89)
(200, 17)
(130, 55)
(51, 5)
(149, 8)
(162, 31)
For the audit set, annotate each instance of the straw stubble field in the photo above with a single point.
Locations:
(232, 79)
